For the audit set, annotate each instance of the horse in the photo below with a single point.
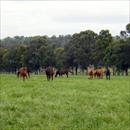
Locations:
(23, 72)
(99, 73)
(49, 73)
(62, 72)
(108, 73)
(93, 73)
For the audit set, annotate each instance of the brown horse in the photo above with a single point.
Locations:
(62, 72)
(23, 72)
(99, 73)
(49, 73)
(93, 73)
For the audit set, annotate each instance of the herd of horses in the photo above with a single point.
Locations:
(24, 72)
(98, 73)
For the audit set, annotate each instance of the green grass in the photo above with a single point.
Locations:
(74, 103)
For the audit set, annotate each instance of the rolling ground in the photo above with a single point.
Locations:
(74, 103)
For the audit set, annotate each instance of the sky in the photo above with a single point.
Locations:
(30, 18)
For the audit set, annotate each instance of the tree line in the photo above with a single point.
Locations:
(71, 51)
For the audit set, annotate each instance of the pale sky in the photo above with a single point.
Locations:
(30, 18)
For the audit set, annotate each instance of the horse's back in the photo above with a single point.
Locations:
(49, 71)
(23, 71)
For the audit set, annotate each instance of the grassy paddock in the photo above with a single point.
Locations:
(73, 103)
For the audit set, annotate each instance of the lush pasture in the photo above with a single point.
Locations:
(74, 103)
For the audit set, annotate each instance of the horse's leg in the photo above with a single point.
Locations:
(29, 75)
(18, 74)
(47, 77)
(102, 76)
(56, 75)
(90, 76)
(23, 78)
(26, 77)
(52, 77)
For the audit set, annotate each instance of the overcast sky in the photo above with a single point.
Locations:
(29, 18)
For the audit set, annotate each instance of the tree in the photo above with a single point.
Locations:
(103, 41)
(59, 57)
(118, 55)
(123, 35)
(3, 51)
(79, 50)
(128, 27)
(50, 58)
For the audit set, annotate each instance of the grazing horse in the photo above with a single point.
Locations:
(23, 72)
(93, 73)
(99, 73)
(62, 72)
(49, 73)
(108, 73)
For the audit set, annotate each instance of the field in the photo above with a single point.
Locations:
(74, 103)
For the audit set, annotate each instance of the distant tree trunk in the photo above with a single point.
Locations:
(114, 71)
(126, 71)
(76, 70)
(72, 69)
(82, 71)
(118, 72)
(122, 72)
